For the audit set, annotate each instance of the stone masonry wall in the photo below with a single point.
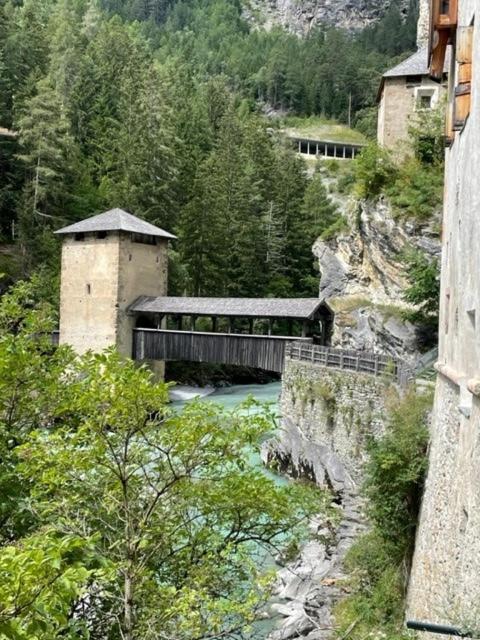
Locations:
(445, 580)
(398, 111)
(328, 415)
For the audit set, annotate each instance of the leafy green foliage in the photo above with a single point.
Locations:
(119, 516)
(374, 170)
(28, 369)
(417, 191)
(379, 562)
(41, 576)
(423, 275)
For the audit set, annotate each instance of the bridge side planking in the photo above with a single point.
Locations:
(263, 352)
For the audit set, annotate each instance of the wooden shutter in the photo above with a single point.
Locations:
(443, 22)
(463, 89)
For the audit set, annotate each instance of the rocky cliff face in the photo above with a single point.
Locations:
(299, 16)
(362, 277)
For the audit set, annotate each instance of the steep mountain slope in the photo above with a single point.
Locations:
(299, 16)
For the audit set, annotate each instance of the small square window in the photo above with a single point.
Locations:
(79, 237)
(425, 102)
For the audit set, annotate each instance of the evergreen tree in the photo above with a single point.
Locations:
(46, 150)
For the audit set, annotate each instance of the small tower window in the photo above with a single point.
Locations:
(89, 289)
(142, 238)
(101, 235)
(79, 237)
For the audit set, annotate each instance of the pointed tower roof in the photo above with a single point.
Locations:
(115, 220)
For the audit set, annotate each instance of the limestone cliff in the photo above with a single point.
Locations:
(299, 16)
(362, 277)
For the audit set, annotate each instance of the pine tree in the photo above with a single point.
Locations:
(140, 167)
(46, 151)
(318, 211)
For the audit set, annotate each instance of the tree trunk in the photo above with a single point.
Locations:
(128, 604)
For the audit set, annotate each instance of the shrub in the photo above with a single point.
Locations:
(378, 563)
(423, 274)
(417, 191)
(339, 226)
(374, 170)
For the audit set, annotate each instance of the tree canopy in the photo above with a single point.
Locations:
(120, 517)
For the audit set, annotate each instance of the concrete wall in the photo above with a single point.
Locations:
(445, 580)
(398, 107)
(327, 417)
(100, 279)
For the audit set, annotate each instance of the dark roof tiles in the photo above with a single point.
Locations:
(303, 308)
(115, 220)
(414, 65)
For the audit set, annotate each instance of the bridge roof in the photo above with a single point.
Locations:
(301, 308)
(115, 220)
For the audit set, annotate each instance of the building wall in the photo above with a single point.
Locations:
(88, 317)
(100, 279)
(423, 24)
(445, 579)
(142, 272)
(398, 107)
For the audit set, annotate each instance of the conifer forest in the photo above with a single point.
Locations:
(158, 106)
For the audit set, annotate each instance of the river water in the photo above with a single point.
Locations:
(230, 397)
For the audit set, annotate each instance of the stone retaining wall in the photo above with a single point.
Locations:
(328, 416)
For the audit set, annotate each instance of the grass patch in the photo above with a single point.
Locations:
(318, 128)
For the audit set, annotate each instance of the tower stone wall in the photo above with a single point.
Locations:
(102, 275)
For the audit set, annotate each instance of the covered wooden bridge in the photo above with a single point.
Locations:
(250, 332)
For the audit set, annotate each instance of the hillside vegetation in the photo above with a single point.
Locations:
(156, 107)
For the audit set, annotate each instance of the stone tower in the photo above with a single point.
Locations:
(108, 261)
(423, 24)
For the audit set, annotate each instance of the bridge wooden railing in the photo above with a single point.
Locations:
(361, 361)
(263, 352)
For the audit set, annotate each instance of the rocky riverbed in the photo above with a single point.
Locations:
(308, 589)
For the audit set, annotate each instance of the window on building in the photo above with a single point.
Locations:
(79, 237)
(101, 235)
(425, 102)
(141, 238)
(424, 98)
(413, 81)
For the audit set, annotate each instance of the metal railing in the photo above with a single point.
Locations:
(360, 361)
